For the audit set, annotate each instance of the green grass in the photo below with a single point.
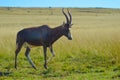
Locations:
(93, 54)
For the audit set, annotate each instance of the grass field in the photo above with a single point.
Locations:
(93, 54)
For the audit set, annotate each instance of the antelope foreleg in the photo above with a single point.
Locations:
(51, 50)
(45, 50)
(53, 54)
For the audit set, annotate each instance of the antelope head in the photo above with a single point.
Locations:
(66, 26)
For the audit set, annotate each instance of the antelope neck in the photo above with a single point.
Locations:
(56, 33)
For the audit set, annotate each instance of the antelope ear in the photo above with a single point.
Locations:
(70, 25)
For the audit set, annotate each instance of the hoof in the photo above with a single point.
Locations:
(34, 67)
(15, 67)
(45, 66)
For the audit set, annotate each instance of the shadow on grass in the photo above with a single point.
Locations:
(52, 73)
(5, 73)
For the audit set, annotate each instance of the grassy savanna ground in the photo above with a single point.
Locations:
(93, 54)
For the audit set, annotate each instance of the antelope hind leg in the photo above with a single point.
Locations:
(28, 57)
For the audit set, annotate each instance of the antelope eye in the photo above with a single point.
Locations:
(66, 30)
(67, 25)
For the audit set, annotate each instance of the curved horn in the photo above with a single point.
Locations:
(65, 15)
(70, 16)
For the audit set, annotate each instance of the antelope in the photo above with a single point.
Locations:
(42, 36)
